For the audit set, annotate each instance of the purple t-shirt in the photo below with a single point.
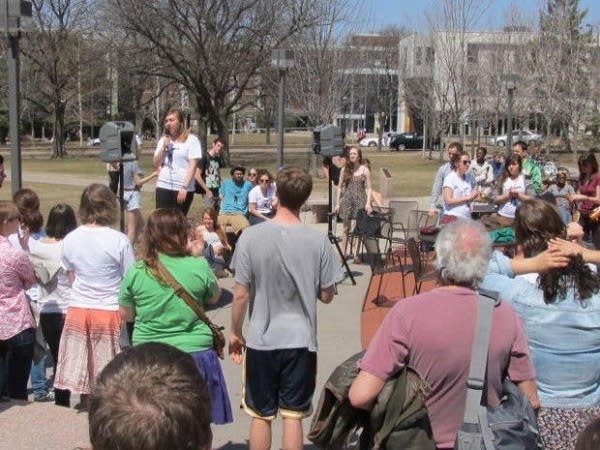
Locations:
(433, 333)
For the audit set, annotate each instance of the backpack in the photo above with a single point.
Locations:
(511, 425)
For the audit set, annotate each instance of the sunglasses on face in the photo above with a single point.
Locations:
(251, 174)
(263, 181)
(465, 163)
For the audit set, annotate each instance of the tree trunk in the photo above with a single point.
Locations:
(59, 131)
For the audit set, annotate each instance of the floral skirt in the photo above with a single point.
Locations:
(559, 427)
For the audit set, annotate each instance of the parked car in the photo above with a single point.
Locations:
(405, 141)
(372, 141)
(518, 135)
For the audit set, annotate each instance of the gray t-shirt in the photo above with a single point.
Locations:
(284, 267)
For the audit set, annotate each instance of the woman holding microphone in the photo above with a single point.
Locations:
(176, 157)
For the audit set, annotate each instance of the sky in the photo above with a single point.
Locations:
(410, 13)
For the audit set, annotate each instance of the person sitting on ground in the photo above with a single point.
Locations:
(159, 314)
(532, 172)
(441, 174)
(483, 172)
(253, 176)
(459, 189)
(234, 201)
(511, 192)
(561, 311)
(442, 358)
(563, 192)
(217, 249)
(150, 397)
(262, 199)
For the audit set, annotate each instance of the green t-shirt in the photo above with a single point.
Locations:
(160, 315)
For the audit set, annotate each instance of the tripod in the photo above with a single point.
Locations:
(331, 216)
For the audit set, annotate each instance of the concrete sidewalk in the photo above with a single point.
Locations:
(44, 426)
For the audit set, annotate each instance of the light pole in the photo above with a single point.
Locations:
(282, 60)
(511, 80)
(11, 12)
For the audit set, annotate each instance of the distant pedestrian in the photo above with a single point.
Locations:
(176, 158)
(281, 267)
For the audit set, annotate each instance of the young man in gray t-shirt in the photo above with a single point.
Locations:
(284, 266)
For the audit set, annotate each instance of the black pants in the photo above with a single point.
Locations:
(16, 354)
(165, 198)
(52, 325)
(113, 180)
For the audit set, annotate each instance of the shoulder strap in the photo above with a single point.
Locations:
(487, 300)
(182, 293)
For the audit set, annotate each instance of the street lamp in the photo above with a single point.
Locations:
(282, 60)
(11, 12)
(511, 80)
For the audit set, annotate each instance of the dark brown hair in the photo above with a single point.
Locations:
(587, 158)
(151, 396)
(28, 203)
(61, 221)
(538, 221)
(98, 205)
(512, 158)
(294, 186)
(589, 438)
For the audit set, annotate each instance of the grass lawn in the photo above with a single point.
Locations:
(62, 180)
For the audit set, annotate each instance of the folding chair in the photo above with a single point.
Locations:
(419, 269)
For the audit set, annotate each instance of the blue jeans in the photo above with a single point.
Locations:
(39, 383)
(16, 354)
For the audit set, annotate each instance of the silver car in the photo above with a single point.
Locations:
(518, 135)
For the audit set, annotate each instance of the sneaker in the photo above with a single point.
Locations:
(47, 397)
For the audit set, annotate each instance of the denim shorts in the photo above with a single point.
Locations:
(279, 380)
(132, 200)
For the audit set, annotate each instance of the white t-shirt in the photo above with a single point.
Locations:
(48, 255)
(264, 203)
(99, 257)
(460, 188)
(175, 164)
(34, 292)
(509, 207)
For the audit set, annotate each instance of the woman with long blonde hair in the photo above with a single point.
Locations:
(176, 158)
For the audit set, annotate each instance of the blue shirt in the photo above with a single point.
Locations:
(235, 197)
(564, 337)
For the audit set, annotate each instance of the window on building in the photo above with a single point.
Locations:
(419, 56)
(472, 53)
(429, 55)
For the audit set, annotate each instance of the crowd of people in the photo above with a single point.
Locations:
(90, 292)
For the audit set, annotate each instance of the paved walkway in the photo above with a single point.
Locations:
(44, 426)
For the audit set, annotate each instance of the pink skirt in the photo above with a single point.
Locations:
(89, 341)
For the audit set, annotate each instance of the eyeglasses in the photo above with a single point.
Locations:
(466, 163)
(264, 180)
